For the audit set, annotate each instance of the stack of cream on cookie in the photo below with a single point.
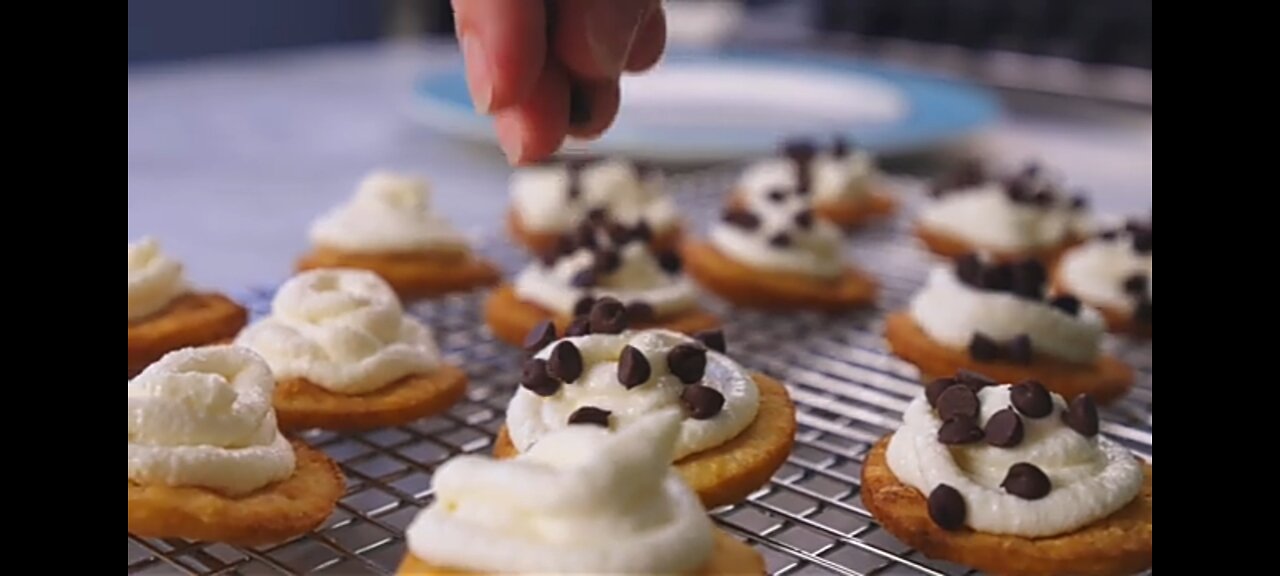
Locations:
(1112, 272)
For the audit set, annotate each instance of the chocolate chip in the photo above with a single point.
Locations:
(1019, 350)
(947, 508)
(804, 220)
(565, 362)
(1043, 198)
(670, 262)
(1142, 242)
(1082, 416)
(713, 340)
(640, 313)
(608, 316)
(840, 147)
(958, 402)
(800, 149)
(565, 245)
(777, 196)
(1028, 482)
(584, 305)
(997, 278)
(983, 349)
(618, 234)
(1005, 430)
(581, 326)
(541, 337)
(585, 236)
(1135, 285)
(804, 177)
(688, 363)
(584, 279)
(1109, 235)
(1031, 399)
(974, 380)
(537, 379)
(1080, 202)
(633, 368)
(641, 232)
(607, 262)
(933, 391)
(1068, 304)
(575, 188)
(598, 216)
(590, 416)
(1029, 278)
(1136, 226)
(701, 402)
(1019, 191)
(1142, 312)
(741, 218)
(960, 431)
(969, 270)
(549, 259)
(780, 240)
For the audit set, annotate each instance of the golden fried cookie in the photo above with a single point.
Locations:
(301, 405)
(413, 275)
(190, 320)
(949, 246)
(511, 319)
(1119, 545)
(748, 287)
(1106, 380)
(729, 473)
(544, 243)
(271, 515)
(731, 557)
(851, 215)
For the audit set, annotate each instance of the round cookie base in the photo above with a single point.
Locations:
(1118, 545)
(1118, 321)
(748, 287)
(546, 243)
(948, 246)
(274, 514)
(413, 276)
(853, 215)
(730, 558)
(189, 321)
(1106, 380)
(511, 319)
(729, 473)
(302, 405)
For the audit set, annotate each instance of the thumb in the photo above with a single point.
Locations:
(593, 38)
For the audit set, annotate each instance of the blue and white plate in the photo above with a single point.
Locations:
(702, 107)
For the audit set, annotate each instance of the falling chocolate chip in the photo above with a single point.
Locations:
(997, 278)
(641, 232)
(933, 391)
(974, 380)
(640, 313)
(542, 336)
(1019, 350)
(1029, 279)
(960, 431)
(701, 402)
(688, 363)
(1028, 482)
(590, 416)
(741, 218)
(536, 378)
(574, 191)
(633, 368)
(800, 149)
(1142, 312)
(780, 240)
(947, 508)
(1031, 399)
(584, 279)
(608, 316)
(1068, 304)
(565, 363)
(670, 262)
(840, 147)
(777, 196)
(983, 349)
(804, 220)
(969, 270)
(713, 340)
(1142, 242)
(1082, 416)
(1135, 285)
(606, 262)
(581, 326)
(1005, 429)
(584, 305)
(958, 402)
(1136, 226)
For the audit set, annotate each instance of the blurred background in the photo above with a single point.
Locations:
(248, 117)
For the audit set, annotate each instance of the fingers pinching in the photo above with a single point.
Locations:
(594, 38)
(535, 128)
(504, 44)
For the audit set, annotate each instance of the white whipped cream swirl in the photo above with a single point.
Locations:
(155, 280)
(342, 330)
(202, 418)
(987, 218)
(546, 202)
(389, 214)
(638, 279)
(816, 250)
(1096, 272)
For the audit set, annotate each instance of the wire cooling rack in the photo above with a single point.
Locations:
(810, 520)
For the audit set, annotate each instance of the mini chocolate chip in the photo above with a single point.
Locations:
(1043, 198)
(1082, 416)
(1005, 430)
(1031, 399)
(639, 313)
(1136, 226)
(777, 196)
(688, 363)
(983, 349)
(536, 378)
(713, 340)
(1019, 191)
(598, 216)
(670, 262)
(804, 177)
(584, 279)
(1068, 304)
(701, 402)
(997, 278)
(974, 380)
(584, 305)
(1109, 235)
(1028, 482)
(607, 262)
(1142, 312)
(958, 402)
(1029, 278)
(590, 416)
(580, 326)
(800, 149)
(1135, 285)
(741, 218)
(934, 390)
(542, 336)
(804, 220)
(969, 270)
(960, 431)
(947, 508)
(633, 368)
(1019, 350)
(575, 189)
(780, 240)
(585, 236)
(1142, 242)
(565, 362)
(840, 147)
(1080, 202)
(608, 316)
(641, 232)
(618, 234)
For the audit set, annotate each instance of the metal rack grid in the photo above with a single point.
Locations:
(848, 390)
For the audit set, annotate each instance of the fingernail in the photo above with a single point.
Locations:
(511, 139)
(479, 78)
(613, 31)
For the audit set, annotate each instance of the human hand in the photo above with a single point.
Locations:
(526, 59)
